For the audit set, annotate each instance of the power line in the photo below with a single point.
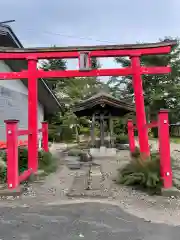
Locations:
(71, 36)
(8, 21)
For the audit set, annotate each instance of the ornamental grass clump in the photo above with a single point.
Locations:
(142, 174)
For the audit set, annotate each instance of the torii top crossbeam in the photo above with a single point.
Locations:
(163, 47)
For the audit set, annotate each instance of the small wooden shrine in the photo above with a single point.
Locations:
(102, 108)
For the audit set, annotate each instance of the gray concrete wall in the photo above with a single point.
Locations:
(14, 103)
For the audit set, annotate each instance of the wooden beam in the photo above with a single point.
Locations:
(78, 73)
(95, 51)
(111, 128)
(92, 131)
(102, 129)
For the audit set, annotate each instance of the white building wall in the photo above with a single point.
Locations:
(14, 102)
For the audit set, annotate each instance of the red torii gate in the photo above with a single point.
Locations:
(84, 54)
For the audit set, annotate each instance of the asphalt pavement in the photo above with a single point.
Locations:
(90, 221)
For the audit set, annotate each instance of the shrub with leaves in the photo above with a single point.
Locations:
(3, 168)
(75, 152)
(136, 153)
(83, 155)
(46, 162)
(122, 139)
(144, 174)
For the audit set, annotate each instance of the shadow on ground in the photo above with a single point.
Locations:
(89, 221)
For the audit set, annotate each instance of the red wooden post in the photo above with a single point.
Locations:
(131, 136)
(140, 110)
(45, 136)
(164, 148)
(32, 115)
(12, 153)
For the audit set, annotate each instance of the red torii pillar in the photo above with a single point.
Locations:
(32, 114)
(140, 109)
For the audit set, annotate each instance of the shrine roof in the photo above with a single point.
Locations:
(103, 101)
(91, 48)
(8, 40)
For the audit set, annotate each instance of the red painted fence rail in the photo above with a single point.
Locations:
(12, 133)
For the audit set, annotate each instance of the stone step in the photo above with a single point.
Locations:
(95, 178)
(93, 186)
(176, 171)
(176, 183)
(72, 162)
(80, 184)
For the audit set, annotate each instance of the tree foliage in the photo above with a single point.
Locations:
(160, 91)
(69, 91)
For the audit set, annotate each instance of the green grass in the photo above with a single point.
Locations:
(175, 140)
(172, 139)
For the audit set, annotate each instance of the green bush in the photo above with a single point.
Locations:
(122, 139)
(143, 174)
(83, 155)
(3, 168)
(62, 133)
(67, 134)
(85, 130)
(136, 153)
(75, 152)
(154, 132)
(53, 136)
(45, 160)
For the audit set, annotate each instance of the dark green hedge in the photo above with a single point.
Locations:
(46, 162)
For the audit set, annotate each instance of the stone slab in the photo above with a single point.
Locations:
(71, 158)
(103, 152)
(80, 184)
(74, 166)
(170, 192)
(96, 178)
(14, 192)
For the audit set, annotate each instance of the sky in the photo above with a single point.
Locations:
(41, 23)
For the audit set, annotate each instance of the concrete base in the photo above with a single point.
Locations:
(170, 192)
(73, 166)
(122, 146)
(103, 152)
(72, 162)
(14, 192)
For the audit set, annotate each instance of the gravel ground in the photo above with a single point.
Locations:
(53, 191)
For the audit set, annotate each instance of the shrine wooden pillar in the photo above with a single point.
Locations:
(102, 129)
(140, 110)
(93, 130)
(111, 129)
